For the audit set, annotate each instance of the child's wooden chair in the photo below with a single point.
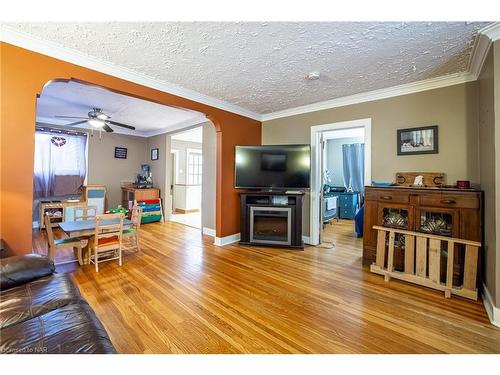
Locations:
(84, 212)
(133, 232)
(54, 244)
(107, 243)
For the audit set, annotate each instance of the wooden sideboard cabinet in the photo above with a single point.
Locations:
(442, 211)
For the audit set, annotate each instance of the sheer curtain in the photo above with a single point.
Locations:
(60, 164)
(354, 166)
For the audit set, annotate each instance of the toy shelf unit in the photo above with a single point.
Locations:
(131, 194)
(152, 210)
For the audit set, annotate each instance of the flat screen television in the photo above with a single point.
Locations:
(273, 167)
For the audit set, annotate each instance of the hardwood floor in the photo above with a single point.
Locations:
(182, 294)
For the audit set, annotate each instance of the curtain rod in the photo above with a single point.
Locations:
(59, 131)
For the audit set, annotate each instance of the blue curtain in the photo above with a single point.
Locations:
(354, 166)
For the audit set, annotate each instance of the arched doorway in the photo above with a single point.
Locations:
(25, 74)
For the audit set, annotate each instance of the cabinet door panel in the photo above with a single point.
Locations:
(438, 221)
(470, 225)
(395, 216)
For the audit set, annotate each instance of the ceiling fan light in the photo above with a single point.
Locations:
(102, 116)
(96, 123)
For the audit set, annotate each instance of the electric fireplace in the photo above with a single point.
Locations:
(270, 225)
(271, 219)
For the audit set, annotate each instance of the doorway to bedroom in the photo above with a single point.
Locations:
(343, 180)
(341, 166)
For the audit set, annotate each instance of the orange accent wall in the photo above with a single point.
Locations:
(23, 75)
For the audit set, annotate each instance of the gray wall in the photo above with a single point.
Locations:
(160, 168)
(487, 167)
(334, 161)
(453, 109)
(489, 158)
(104, 169)
(497, 166)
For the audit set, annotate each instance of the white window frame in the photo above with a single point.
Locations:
(193, 151)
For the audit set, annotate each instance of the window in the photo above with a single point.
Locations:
(60, 162)
(194, 165)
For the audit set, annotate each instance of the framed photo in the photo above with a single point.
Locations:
(416, 141)
(154, 153)
(120, 152)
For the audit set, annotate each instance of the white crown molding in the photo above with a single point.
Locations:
(389, 92)
(485, 37)
(492, 31)
(173, 128)
(492, 311)
(55, 50)
(481, 47)
(479, 54)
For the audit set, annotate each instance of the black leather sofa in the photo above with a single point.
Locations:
(43, 312)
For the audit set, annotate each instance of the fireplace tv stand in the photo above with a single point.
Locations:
(271, 218)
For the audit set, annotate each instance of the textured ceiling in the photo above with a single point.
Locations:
(191, 135)
(261, 66)
(76, 99)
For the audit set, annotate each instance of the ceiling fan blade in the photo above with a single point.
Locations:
(76, 123)
(119, 124)
(71, 117)
(107, 128)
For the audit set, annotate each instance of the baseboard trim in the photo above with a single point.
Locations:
(182, 211)
(306, 239)
(492, 311)
(208, 231)
(222, 241)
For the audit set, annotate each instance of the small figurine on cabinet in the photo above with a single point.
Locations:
(419, 181)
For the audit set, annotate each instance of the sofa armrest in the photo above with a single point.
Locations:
(22, 269)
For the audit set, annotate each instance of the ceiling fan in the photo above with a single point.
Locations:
(97, 119)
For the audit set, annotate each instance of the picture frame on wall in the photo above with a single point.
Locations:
(155, 153)
(120, 152)
(418, 141)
